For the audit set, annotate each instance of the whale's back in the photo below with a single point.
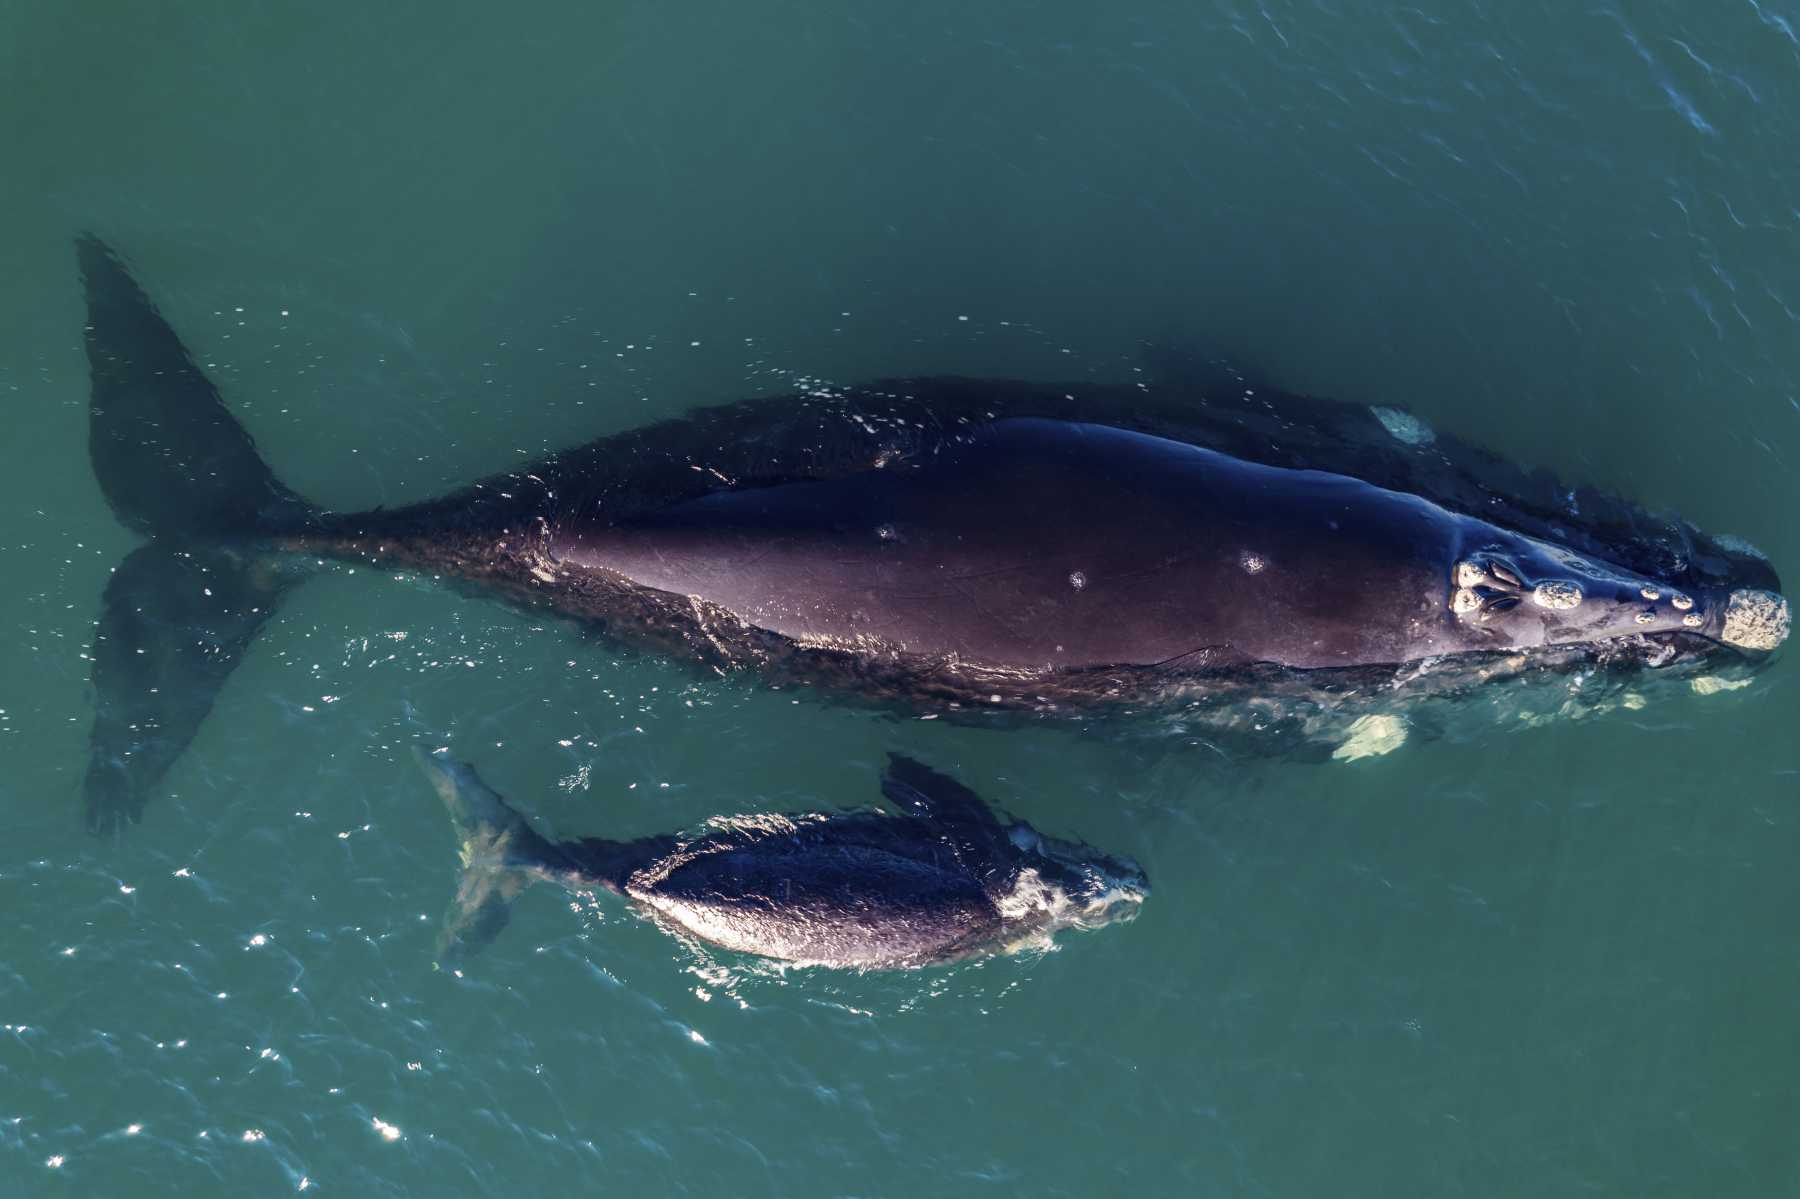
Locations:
(825, 903)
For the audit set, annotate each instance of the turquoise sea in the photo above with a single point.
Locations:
(419, 242)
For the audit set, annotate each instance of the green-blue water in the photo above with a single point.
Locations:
(414, 242)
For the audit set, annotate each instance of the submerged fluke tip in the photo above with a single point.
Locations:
(441, 771)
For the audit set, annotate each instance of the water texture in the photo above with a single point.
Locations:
(417, 242)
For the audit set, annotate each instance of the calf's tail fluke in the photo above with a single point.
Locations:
(177, 468)
(501, 855)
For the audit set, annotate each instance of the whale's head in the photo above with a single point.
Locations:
(1085, 886)
(1521, 594)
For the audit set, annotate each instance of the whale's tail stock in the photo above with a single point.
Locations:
(179, 612)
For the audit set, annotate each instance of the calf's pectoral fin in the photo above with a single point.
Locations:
(918, 790)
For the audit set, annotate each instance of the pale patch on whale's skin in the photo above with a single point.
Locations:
(1557, 594)
(1572, 709)
(1756, 620)
(1738, 545)
(1371, 737)
(1403, 426)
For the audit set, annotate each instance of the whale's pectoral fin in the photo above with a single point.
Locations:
(172, 626)
(921, 791)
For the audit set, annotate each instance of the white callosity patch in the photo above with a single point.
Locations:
(1556, 594)
(1755, 620)
(1370, 737)
(1031, 895)
(1035, 909)
(1404, 426)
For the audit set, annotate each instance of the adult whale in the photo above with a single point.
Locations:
(943, 882)
(943, 542)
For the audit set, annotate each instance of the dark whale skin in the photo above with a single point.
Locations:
(892, 896)
(1030, 550)
(1046, 546)
(938, 544)
(941, 882)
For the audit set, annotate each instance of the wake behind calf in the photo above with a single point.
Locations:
(942, 882)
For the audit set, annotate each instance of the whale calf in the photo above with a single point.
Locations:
(942, 882)
(1269, 564)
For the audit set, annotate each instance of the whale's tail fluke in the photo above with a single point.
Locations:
(169, 455)
(501, 856)
(177, 467)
